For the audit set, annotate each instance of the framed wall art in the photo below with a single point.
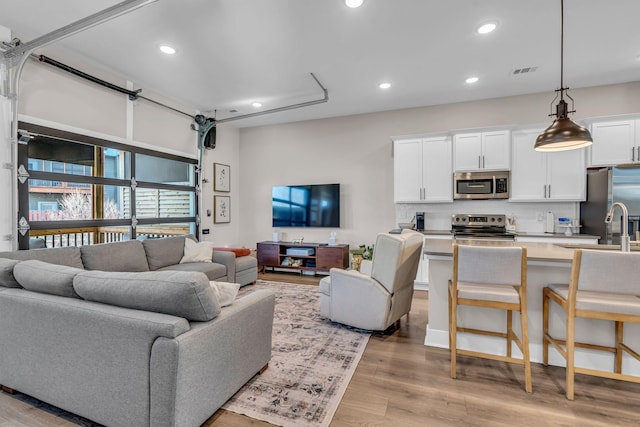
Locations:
(221, 209)
(221, 177)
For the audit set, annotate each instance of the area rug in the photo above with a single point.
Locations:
(312, 362)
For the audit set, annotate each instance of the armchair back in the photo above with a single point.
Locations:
(396, 258)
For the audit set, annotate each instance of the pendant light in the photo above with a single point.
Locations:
(564, 133)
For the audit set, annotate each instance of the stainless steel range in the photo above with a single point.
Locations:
(464, 226)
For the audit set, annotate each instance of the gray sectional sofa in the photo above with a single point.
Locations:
(124, 335)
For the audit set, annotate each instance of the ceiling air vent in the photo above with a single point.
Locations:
(524, 70)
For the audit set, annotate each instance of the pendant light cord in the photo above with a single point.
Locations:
(561, 48)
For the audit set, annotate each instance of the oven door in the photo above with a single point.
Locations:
(481, 185)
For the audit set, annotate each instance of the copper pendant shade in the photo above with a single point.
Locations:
(564, 133)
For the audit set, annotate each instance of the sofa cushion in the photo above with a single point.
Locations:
(63, 256)
(163, 252)
(6, 273)
(46, 278)
(117, 256)
(178, 293)
(213, 270)
(197, 251)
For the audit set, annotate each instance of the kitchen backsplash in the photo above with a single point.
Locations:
(529, 217)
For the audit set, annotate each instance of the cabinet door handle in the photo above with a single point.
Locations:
(479, 165)
(633, 154)
(483, 162)
(549, 190)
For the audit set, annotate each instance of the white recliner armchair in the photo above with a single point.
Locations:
(377, 300)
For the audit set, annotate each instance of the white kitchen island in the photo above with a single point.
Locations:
(547, 263)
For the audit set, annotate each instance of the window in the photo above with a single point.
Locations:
(80, 185)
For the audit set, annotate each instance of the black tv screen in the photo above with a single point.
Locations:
(306, 205)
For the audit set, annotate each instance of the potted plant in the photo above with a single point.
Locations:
(364, 252)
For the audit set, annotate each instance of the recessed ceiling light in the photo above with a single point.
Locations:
(353, 3)
(384, 85)
(486, 28)
(257, 104)
(471, 80)
(167, 49)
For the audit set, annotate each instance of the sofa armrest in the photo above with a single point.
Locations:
(228, 259)
(203, 368)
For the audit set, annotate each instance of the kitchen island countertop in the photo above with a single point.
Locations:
(535, 251)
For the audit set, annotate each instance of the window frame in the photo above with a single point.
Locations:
(66, 136)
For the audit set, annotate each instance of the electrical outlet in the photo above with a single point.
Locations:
(540, 216)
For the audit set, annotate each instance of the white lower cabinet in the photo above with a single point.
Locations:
(544, 177)
(422, 278)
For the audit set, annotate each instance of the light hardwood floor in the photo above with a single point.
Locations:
(400, 382)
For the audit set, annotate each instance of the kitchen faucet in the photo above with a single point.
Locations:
(625, 243)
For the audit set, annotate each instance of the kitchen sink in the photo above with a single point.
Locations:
(635, 246)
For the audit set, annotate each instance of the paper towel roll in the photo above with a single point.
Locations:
(550, 224)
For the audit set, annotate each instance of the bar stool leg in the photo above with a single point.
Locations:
(619, 339)
(509, 332)
(570, 347)
(545, 328)
(453, 331)
(524, 324)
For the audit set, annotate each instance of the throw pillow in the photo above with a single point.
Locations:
(184, 294)
(197, 252)
(238, 251)
(6, 273)
(225, 292)
(54, 279)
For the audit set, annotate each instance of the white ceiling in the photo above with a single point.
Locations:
(234, 52)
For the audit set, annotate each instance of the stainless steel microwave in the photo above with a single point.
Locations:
(481, 185)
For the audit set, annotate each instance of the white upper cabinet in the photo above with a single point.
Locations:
(615, 142)
(422, 170)
(407, 170)
(537, 176)
(482, 150)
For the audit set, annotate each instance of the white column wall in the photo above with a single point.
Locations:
(6, 211)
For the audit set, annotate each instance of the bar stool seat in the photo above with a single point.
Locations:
(601, 301)
(485, 292)
(496, 278)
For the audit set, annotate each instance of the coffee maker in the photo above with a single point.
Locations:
(419, 221)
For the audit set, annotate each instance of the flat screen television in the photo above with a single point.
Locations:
(306, 205)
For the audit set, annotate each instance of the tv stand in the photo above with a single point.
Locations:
(316, 257)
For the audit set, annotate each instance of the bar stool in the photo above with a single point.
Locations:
(604, 285)
(490, 277)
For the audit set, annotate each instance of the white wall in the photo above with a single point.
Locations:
(226, 153)
(356, 152)
(5, 175)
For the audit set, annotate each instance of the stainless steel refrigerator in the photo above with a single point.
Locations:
(605, 186)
